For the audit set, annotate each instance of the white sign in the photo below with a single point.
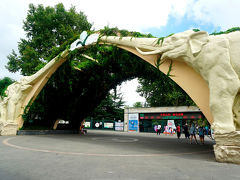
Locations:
(108, 125)
(133, 116)
(171, 124)
(87, 124)
(118, 126)
(97, 125)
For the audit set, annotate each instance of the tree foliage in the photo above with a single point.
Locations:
(160, 90)
(138, 104)
(46, 29)
(4, 83)
(110, 107)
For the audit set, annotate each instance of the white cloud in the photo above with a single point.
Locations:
(128, 89)
(125, 14)
(220, 13)
(132, 15)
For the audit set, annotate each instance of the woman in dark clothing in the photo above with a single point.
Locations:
(185, 130)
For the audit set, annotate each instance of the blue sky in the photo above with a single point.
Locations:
(179, 25)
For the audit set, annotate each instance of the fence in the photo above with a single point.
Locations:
(104, 124)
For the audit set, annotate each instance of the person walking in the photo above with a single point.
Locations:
(201, 133)
(207, 130)
(159, 129)
(193, 133)
(186, 131)
(155, 128)
(178, 131)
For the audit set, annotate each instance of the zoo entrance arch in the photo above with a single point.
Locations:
(20, 93)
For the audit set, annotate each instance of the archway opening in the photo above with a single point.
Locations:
(89, 73)
(73, 99)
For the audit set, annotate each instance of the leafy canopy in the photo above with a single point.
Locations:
(46, 29)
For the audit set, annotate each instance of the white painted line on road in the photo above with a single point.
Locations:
(6, 142)
(121, 140)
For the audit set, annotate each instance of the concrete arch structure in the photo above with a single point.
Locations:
(183, 75)
(186, 77)
(188, 72)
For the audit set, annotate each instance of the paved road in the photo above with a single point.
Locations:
(109, 155)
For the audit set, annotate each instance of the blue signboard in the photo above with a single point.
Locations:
(133, 122)
(133, 125)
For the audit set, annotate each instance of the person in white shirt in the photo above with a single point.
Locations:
(158, 129)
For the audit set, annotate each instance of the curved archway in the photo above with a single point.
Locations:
(190, 81)
(187, 78)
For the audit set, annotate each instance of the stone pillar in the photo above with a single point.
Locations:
(126, 113)
(8, 128)
(227, 148)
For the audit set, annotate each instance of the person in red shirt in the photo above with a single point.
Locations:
(178, 131)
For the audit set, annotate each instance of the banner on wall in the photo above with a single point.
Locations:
(133, 122)
(118, 126)
(108, 125)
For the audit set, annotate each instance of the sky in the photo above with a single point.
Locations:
(158, 17)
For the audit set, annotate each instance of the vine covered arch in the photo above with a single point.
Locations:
(183, 55)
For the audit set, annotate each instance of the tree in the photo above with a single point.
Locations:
(110, 108)
(4, 83)
(160, 90)
(46, 29)
(137, 104)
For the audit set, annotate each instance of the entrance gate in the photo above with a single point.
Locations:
(207, 68)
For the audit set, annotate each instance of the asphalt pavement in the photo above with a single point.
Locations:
(110, 155)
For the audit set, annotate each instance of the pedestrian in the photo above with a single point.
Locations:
(155, 128)
(178, 131)
(206, 130)
(165, 130)
(193, 133)
(159, 129)
(82, 128)
(185, 131)
(201, 133)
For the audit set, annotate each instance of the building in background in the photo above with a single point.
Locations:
(144, 119)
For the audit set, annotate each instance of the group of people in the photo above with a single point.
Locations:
(166, 129)
(191, 132)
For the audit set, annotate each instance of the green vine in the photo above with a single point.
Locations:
(170, 69)
(158, 62)
(160, 40)
(122, 33)
(26, 109)
(196, 30)
(227, 31)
